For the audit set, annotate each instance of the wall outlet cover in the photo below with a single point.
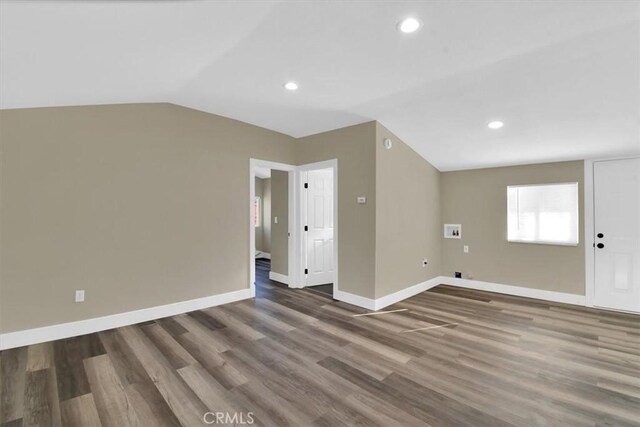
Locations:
(80, 296)
(458, 275)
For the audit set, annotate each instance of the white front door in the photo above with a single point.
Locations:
(319, 227)
(617, 234)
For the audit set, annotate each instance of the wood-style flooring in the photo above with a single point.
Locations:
(325, 289)
(451, 357)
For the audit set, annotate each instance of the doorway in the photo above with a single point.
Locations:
(318, 216)
(271, 215)
(314, 252)
(616, 232)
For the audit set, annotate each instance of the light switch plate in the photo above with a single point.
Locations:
(80, 296)
(362, 200)
(466, 249)
(275, 219)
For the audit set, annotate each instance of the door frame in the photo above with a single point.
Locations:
(292, 230)
(589, 230)
(300, 242)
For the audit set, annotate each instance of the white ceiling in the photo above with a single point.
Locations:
(564, 76)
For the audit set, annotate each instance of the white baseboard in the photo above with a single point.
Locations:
(515, 290)
(353, 299)
(395, 297)
(387, 300)
(263, 255)
(82, 327)
(277, 277)
(380, 303)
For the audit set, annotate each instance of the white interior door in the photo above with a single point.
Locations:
(617, 229)
(319, 227)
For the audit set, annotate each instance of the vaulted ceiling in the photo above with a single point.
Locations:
(563, 76)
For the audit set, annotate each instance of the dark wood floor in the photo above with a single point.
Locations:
(324, 289)
(294, 357)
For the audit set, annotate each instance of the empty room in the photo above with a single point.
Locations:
(320, 213)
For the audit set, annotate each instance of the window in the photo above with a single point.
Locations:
(543, 213)
(256, 212)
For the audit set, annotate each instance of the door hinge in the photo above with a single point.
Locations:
(306, 228)
(306, 271)
(306, 185)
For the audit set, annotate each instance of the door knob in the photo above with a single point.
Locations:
(600, 235)
(600, 245)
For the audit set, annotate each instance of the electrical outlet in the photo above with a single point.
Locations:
(80, 296)
(424, 262)
(458, 275)
(465, 248)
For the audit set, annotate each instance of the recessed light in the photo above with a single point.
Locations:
(495, 124)
(291, 86)
(409, 25)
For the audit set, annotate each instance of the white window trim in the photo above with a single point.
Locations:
(545, 242)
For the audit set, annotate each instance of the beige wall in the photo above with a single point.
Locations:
(354, 147)
(146, 204)
(139, 205)
(263, 232)
(280, 231)
(407, 216)
(477, 199)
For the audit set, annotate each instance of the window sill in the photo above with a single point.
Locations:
(543, 243)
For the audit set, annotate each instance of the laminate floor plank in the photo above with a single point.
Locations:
(171, 326)
(270, 408)
(41, 402)
(150, 405)
(40, 356)
(125, 363)
(80, 411)
(113, 405)
(172, 350)
(295, 357)
(184, 403)
(69, 355)
(13, 375)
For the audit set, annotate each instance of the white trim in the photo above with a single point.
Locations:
(395, 297)
(97, 324)
(277, 277)
(589, 234)
(353, 299)
(375, 313)
(292, 265)
(302, 214)
(514, 290)
(538, 241)
(387, 300)
(299, 279)
(293, 235)
(263, 255)
(546, 242)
